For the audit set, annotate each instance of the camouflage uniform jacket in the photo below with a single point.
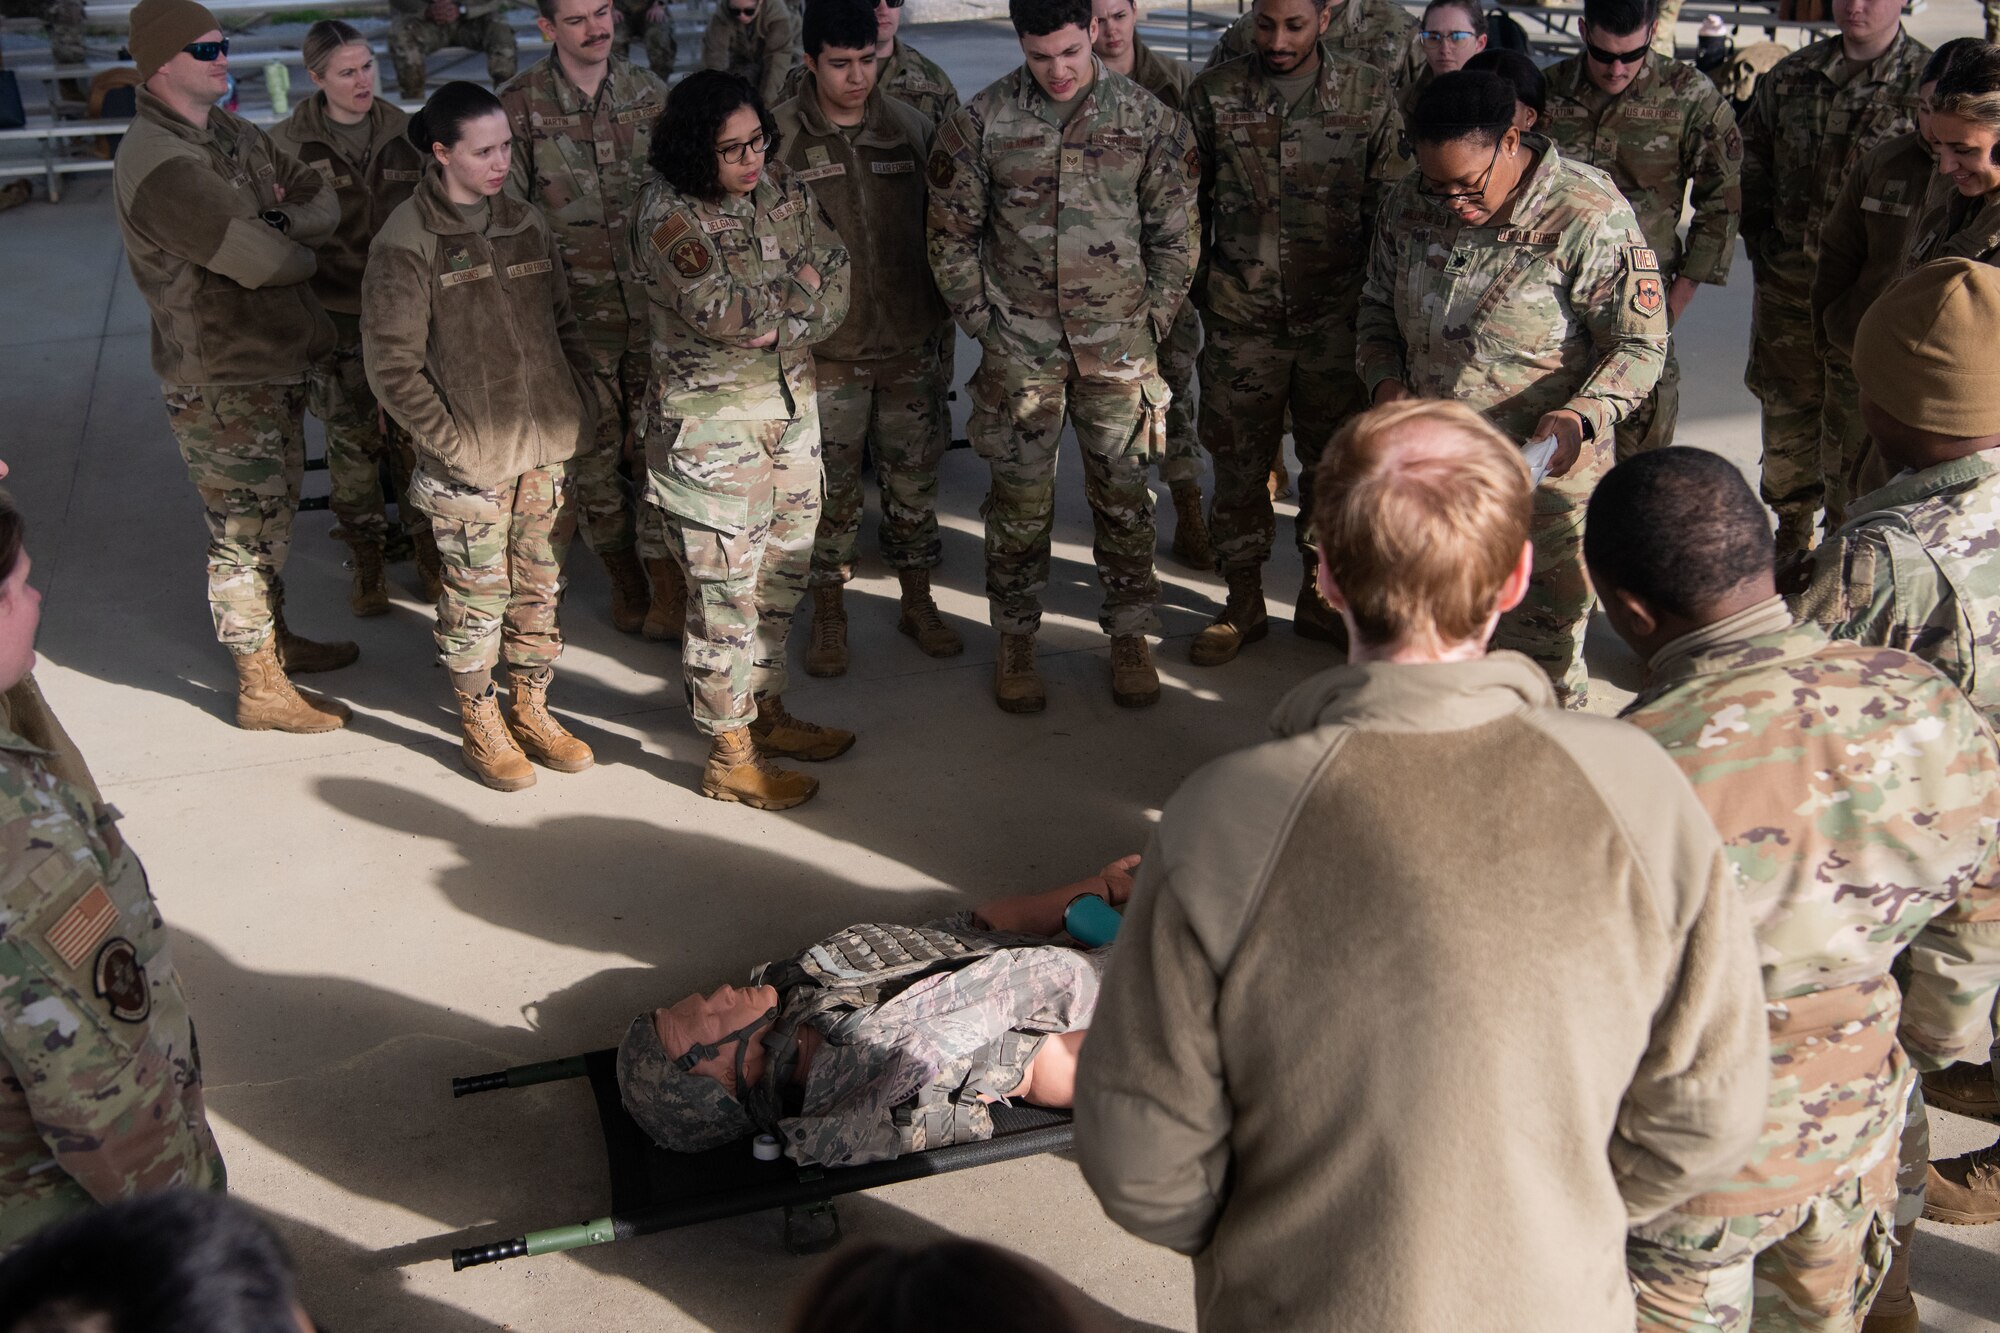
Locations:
(908, 76)
(1670, 129)
(1858, 799)
(1917, 567)
(764, 50)
(369, 190)
(1163, 76)
(724, 274)
(1810, 122)
(1380, 33)
(1862, 244)
(872, 185)
(1562, 307)
(582, 163)
(100, 1077)
(1954, 227)
(1047, 237)
(1289, 194)
(907, 1073)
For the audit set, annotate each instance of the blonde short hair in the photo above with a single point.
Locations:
(1420, 509)
(324, 38)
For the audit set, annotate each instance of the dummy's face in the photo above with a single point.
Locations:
(739, 151)
(845, 75)
(706, 1019)
(1965, 154)
(1866, 21)
(1448, 39)
(1061, 60)
(1629, 49)
(581, 30)
(1286, 33)
(202, 82)
(1469, 176)
(20, 615)
(1115, 21)
(477, 163)
(888, 18)
(349, 79)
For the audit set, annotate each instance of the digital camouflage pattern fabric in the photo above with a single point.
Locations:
(502, 549)
(763, 51)
(100, 1077)
(356, 443)
(635, 20)
(1168, 79)
(1065, 251)
(481, 26)
(1564, 307)
(1917, 567)
(1812, 118)
(1379, 33)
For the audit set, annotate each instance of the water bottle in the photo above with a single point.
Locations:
(278, 83)
(1091, 921)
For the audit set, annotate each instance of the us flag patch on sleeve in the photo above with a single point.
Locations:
(670, 231)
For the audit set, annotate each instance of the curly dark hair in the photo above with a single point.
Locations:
(683, 149)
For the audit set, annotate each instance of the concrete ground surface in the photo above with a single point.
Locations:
(357, 920)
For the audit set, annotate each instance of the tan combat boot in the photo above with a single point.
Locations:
(1795, 534)
(1017, 683)
(1280, 481)
(666, 618)
(1191, 545)
(539, 735)
(778, 732)
(430, 565)
(1964, 1089)
(266, 700)
(1895, 1309)
(738, 771)
(630, 597)
(489, 749)
(827, 654)
(1964, 1191)
(1312, 618)
(300, 656)
(370, 594)
(920, 619)
(1134, 683)
(1243, 619)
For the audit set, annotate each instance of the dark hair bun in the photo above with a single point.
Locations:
(1464, 104)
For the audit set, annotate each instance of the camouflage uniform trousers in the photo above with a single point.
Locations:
(64, 21)
(896, 407)
(604, 500)
(1787, 376)
(659, 37)
(1549, 623)
(1991, 10)
(1178, 355)
(1812, 1267)
(744, 581)
(245, 450)
(1016, 425)
(1248, 381)
(1843, 444)
(358, 438)
(502, 549)
(1652, 426)
(412, 37)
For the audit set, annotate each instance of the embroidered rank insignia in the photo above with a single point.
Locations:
(1647, 298)
(79, 929)
(1641, 259)
(119, 978)
(670, 231)
(691, 258)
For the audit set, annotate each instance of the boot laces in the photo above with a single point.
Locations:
(486, 720)
(1128, 654)
(925, 613)
(1020, 654)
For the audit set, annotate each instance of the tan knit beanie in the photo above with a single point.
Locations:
(1924, 351)
(160, 28)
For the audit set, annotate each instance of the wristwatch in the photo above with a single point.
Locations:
(276, 217)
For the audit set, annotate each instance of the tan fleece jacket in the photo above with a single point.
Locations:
(470, 341)
(228, 292)
(369, 190)
(1416, 1008)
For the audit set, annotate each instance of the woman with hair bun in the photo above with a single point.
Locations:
(356, 140)
(1518, 283)
(472, 346)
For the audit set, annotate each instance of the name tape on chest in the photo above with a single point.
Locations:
(1528, 236)
(391, 174)
(638, 114)
(821, 173)
(1227, 119)
(530, 269)
(900, 167)
(790, 208)
(465, 275)
(80, 929)
(716, 226)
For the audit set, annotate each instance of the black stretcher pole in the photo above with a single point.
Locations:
(522, 1076)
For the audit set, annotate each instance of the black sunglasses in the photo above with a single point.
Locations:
(207, 51)
(893, 4)
(1604, 57)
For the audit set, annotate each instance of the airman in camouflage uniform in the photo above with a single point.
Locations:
(1457, 311)
(1380, 33)
(1811, 120)
(733, 451)
(907, 75)
(64, 21)
(652, 21)
(1065, 248)
(1669, 130)
(581, 159)
(100, 1077)
(416, 30)
(1289, 195)
(762, 51)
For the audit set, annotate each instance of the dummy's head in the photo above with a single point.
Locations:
(682, 1068)
(965, 1285)
(1675, 540)
(1421, 514)
(178, 49)
(1469, 156)
(1923, 356)
(1518, 69)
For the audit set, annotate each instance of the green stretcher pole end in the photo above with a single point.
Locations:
(521, 1076)
(597, 1231)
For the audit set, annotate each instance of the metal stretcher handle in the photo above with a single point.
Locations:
(522, 1076)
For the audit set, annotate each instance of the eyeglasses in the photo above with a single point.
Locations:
(893, 4)
(1477, 191)
(1432, 37)
(1604, 57)
(207, 51)
(738, 153)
